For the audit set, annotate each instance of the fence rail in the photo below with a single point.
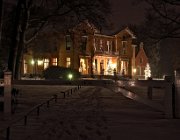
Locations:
(169, 94)
(36, 108)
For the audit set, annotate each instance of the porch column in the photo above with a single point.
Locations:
(133, 71)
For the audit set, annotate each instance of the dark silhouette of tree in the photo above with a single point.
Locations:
(32, 16)
(163, 25)
(1, 13)
(151, 47)
(162, 19)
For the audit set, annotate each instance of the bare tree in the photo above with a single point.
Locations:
(32, 16)
(1, 13)
(162, 23)
(151, 47)
(163, 19)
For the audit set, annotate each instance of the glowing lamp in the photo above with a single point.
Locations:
(32, 62)
(70, 76)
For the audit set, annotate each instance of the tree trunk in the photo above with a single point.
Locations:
(14, 44)
(1, 21)
(92, 73)
(19, 61)
(20, 50)
(1, 18)
(92, 58)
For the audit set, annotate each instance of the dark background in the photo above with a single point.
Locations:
(124, 12)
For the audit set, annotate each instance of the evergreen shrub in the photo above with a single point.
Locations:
(56, 72)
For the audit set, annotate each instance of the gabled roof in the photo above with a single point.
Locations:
(87, 24)
(130, 32)
(141, 48)
(126, 30)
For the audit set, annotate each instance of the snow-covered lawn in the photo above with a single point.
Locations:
(91, 113)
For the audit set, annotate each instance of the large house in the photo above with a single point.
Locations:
(85, 49)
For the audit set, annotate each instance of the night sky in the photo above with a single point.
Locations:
(124, 12)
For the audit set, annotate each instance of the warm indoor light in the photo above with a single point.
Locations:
(32, 62)
(113, 66)
(40, 62)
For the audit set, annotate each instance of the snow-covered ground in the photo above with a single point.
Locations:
(91, 113)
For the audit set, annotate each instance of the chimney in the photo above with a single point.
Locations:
(141, 45)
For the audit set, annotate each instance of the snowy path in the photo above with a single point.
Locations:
(96, 113)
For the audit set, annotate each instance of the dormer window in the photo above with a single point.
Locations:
(123, 38)
(124, 44)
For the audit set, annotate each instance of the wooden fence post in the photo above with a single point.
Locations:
(25, 120)
(8, 133)
(177, 93)
(55, 98)
(38, 110)
(168, 98)
(149, 93)
(7, 92)
(48, 103)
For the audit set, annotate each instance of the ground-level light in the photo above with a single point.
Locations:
(32, 62)
(70, 76)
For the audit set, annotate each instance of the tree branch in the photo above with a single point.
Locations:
(164, 16)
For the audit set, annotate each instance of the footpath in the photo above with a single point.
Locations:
(97, 113)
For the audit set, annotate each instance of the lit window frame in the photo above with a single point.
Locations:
(46, 63)
(54, 61)
(68, 62)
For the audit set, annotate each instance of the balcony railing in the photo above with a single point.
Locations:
(106, 52)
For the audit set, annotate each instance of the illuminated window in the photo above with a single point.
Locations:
(68, 62)
(25, 67)
(68, 42)
(54, 61)
(40, 62)
(46, 63)
(82, 67)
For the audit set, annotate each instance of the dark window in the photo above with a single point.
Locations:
(124, 51)
(124, 43)
(68, 42)
(110, 46)
(124, 46)
(83, 43)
